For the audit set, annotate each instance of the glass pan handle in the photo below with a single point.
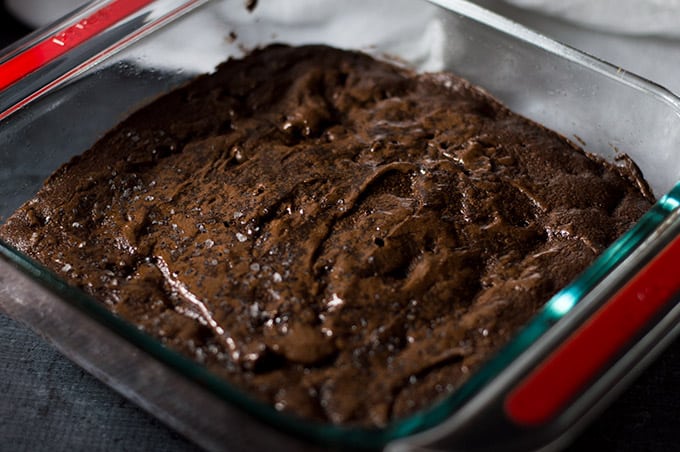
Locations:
(54, 55)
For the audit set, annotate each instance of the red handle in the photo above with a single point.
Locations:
(55, 48)
(542, 395)
(52, 48)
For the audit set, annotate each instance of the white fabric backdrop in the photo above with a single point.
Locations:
(640, 17)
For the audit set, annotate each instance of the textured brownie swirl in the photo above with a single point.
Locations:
(342, 238)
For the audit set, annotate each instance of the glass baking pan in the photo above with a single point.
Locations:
(65, 85)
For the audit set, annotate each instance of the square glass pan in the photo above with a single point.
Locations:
(87, 90)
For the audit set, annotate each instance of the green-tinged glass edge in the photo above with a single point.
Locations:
(555, 309)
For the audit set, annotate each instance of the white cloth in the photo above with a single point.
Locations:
(639, 17)
(656, 17)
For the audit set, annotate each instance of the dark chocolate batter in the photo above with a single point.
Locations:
(344, 239)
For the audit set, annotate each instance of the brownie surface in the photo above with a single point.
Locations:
(340, 237)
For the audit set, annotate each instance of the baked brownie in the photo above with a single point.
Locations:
(342, 238)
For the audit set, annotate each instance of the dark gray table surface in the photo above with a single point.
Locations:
(48, 403)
